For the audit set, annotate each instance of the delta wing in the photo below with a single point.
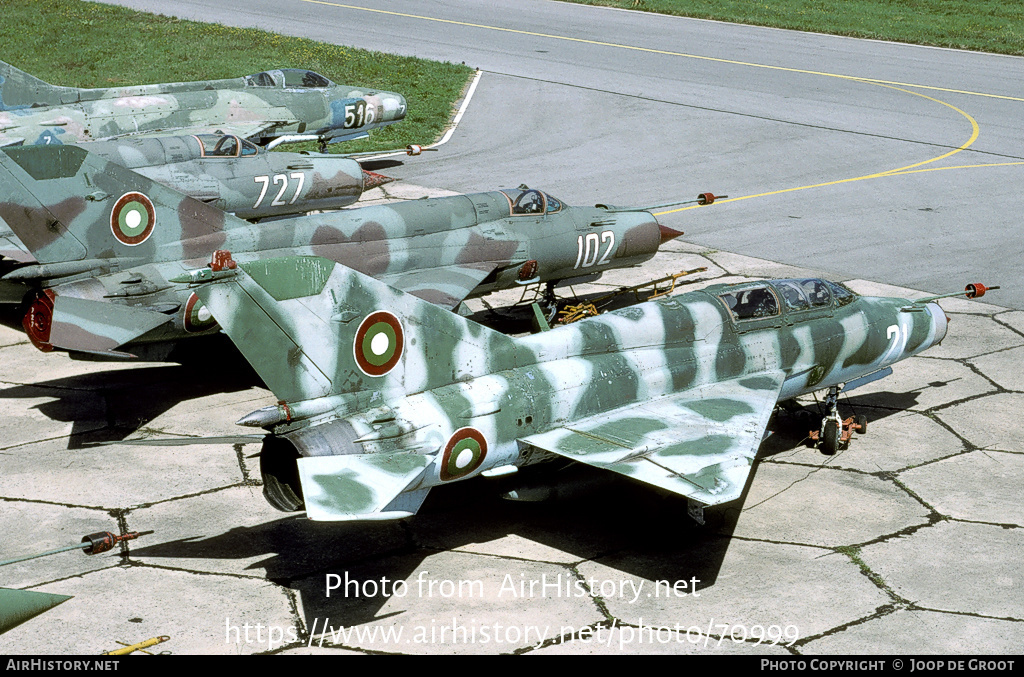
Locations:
(698, 443)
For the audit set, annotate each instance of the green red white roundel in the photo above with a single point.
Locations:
(197, 317)
(378, 344)
(132, 219)
(463, 454)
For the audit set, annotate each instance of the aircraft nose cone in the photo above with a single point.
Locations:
(668, 233)
(940, 320)
(395, 107)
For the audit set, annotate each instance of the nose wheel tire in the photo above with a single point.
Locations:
(830, 438)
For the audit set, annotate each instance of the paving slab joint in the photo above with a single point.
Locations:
(597, 599)
(1008, 326)
(932, 415)
(973, 367)
(300, 623)
(934, 516)
(246, 479)
(880, 612)
(969, 614)
(853, 553)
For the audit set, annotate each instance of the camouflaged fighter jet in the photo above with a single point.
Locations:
(260, 107)
(113, 248)
(383, 396)
(234, 175)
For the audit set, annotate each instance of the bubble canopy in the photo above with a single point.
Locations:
(288, 78)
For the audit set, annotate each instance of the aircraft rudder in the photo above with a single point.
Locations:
(40, 217)
(64, 193)
(349, 331)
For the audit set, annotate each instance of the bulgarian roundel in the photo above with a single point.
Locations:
(132, 219)
(197, 317)
(378, 344)
(463, 454)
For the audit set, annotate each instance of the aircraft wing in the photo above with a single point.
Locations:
(699, 443)
(11, 246)
(445, 286)
(362, 486)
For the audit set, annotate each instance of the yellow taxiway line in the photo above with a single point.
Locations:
(900, 86)
(617, 45)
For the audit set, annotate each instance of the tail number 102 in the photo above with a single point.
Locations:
(279, 180)
(588, 247)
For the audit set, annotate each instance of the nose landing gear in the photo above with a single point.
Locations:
(835, 431)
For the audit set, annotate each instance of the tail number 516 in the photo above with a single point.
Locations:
(588, 248)
(358, 114)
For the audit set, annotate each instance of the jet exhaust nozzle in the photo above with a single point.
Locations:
(279, 469)
(280, 454)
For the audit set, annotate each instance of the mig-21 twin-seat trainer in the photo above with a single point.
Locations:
(382, 396)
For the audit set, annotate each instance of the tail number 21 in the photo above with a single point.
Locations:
(587, 247)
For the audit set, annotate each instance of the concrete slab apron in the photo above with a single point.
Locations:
(909, 520)
(201, 614)
(449, 602)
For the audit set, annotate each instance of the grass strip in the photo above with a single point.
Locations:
(979, 25)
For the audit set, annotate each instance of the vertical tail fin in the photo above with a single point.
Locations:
(18, 89)
(66, 204)
(312, 328)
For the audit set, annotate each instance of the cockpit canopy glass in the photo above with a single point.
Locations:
(804, 294)
(796, 295)
(225, 146)
(841, 294)
(288, 78)
(751, 304)
(793, 295)
(817, 291)
(801, 294)
(530, 201)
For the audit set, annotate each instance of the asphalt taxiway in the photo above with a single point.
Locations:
(831, 149)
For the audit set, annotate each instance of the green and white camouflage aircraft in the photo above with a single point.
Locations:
(198, 137)
(232, 174)
(383, 396)
(114, 248)
(258, 107)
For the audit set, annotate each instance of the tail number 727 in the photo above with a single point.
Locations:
(588, 246)
(281, 180)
